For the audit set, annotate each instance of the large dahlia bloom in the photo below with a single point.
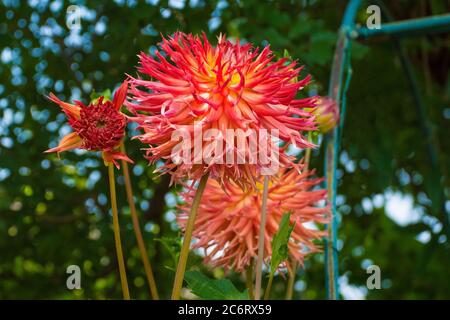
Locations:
(99, 126)
(228, 221)
(227, 86)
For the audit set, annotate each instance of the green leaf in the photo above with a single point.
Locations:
(173, 246)
(206, 288)
(286, 54)
(280, 242)
(106, 94)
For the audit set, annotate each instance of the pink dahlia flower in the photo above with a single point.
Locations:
(227, 86)
(99, 126)
(228, 221)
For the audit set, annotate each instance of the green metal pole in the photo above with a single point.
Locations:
(427, 25)
(332, 143)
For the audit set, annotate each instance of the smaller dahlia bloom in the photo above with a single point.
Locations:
(327, 114)
(228, 221)
(99, 126)
(221, 88)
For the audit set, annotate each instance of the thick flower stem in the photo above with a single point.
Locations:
(262, 229)
(308, 152)
(269, 287)
(181, 268)
(249, 280)
(293, 273)
(291, 281)
(137, 229)
(120, 260)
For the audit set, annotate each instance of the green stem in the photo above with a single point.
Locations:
(293, 273)
(137, 229)
(262, 229)
(181, 268)
(249, 280)
(269, 287)
(120, 260)
(308, 151)
(291, 281)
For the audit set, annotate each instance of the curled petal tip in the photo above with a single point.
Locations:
(69, 142)
(69, 109)
(120, 95)
(114, 156)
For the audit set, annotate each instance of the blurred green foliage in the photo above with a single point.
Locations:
(55, 212)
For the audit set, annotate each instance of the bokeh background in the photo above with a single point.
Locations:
(55, 212)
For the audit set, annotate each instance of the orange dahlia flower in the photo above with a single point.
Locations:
(228, 221)
(99, 126)
(227, 86)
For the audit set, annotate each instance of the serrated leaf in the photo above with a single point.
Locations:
(280, 242)
(173, 246)
(213, 289)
